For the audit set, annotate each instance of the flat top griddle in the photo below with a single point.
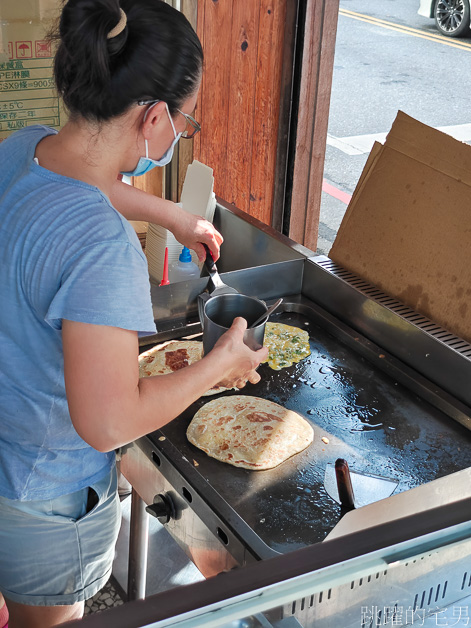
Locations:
(377, 424)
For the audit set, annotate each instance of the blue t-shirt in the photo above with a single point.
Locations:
(65, 252)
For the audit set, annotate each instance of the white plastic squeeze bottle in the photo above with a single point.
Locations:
(185, 269)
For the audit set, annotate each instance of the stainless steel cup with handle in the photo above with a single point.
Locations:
(218, 313)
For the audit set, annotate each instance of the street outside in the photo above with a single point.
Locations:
(387, 58)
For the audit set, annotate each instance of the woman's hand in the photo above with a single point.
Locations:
(110, 406)
(194, 231)
(236, 361)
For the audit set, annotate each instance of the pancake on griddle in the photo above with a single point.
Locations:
(286, 345)
(173, 356)
(249, 432)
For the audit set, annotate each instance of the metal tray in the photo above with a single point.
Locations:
(377, 423)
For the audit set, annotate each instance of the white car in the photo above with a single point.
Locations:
(452, 17)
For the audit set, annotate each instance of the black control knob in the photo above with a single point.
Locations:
(163, 508)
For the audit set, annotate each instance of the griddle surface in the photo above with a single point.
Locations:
(378, 425)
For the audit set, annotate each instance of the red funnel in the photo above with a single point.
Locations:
(165, 280)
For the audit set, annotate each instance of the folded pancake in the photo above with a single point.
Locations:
(173, 356)
(249, 432)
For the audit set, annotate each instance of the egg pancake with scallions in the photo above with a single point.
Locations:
(286, 345)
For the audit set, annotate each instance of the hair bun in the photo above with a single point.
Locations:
(120, 26)
(114, 52)
(117, 37)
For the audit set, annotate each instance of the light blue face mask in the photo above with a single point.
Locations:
(146, 163)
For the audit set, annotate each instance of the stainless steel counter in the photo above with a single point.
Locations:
(408, 352)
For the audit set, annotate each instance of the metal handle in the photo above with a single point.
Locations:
(209, 261)
(344, 484)
(202, 298)
(269, 311)
(214, 279)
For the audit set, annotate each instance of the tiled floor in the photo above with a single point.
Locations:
(106, 598)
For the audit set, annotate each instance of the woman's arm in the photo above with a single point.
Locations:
(108, 403)
(190, 230)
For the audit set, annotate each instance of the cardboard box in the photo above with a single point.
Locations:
(27, 93)
(407, 229)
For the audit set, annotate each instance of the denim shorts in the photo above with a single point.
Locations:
(59, 551)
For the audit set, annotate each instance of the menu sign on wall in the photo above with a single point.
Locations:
(27, 92)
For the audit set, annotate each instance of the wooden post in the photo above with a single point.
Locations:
(313, 116)
(239, 103)
(267, 110)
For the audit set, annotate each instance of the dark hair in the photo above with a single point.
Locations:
(157, 56)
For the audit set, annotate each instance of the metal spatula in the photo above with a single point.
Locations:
(215, 285)
(364, 488)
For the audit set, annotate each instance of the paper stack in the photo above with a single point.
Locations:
(197, 198)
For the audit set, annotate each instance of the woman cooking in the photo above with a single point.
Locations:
(75, 297)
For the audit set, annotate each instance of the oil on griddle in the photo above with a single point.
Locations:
(378, 425)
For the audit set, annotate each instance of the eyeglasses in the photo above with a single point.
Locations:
(195, 127)
(188, 134)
